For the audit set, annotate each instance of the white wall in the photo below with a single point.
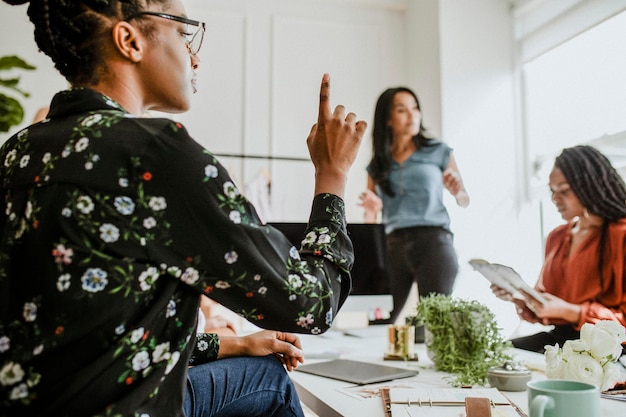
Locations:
(462, 66)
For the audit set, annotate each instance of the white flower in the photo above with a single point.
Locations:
(30, 312)
(149, 222)
(157, 203)
(81, 144)
(91, 120)
(24, 161)
(11, 373)
(170, 311)
(136, 335)
(222, 285)
(10, 158)
(94, 280)
(230, 190)
(28, 212)
(590, 358)
(324, 238)
(583, 368)
(612, 374)
(147, 278)
(161, 352)
(5, 343)
(109, 233)
(210, 171)
(604, 338)
(294, 280)
(84, 204)
(309, 238)
(311, 278)
(231, 257)
(190, 276)
(235, 216)
(141, 360)
(19, 392)
(172, 361)
(63, 282)
(124, 205)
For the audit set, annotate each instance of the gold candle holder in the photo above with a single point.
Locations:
(401, 343)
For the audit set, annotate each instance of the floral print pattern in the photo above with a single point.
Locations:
(112, 228)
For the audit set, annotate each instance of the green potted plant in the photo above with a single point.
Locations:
(462, 338)
(11, 110)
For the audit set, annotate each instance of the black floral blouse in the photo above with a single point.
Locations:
(112, 226)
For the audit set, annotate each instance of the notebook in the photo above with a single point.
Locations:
(360, 373)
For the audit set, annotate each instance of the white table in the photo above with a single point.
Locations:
(323, 395)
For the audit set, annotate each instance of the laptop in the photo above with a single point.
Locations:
(356, 372)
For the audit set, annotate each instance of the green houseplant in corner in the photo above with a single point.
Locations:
(462, 338)
(11, 110)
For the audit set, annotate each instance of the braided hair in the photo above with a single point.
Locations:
(598, 187)
(383, 138)
(70, 32)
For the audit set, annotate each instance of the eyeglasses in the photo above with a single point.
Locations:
(194, 40)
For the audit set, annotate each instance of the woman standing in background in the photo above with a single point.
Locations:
(406, 178)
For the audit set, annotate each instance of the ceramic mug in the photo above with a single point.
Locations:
(562, 398)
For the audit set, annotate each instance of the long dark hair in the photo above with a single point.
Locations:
(382, 138)
(70, 31)
(598, 186)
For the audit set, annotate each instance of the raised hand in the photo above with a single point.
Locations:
(333, 144)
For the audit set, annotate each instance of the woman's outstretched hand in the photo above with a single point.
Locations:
(372, 204)
(333, 144)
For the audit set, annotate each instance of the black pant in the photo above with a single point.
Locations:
(536, 342)
(424, 255)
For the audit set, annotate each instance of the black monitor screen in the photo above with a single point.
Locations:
(369, 276)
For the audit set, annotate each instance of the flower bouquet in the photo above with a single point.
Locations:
(591, 358)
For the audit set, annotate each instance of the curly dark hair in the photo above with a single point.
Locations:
(597, 185)
(70, 31)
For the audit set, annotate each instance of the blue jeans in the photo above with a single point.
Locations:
(241, 386)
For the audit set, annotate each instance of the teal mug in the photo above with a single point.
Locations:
(561, 398)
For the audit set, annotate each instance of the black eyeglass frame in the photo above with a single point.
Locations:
(201, 26)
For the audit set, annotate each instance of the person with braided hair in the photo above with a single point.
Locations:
(583, 278)
(113, 225)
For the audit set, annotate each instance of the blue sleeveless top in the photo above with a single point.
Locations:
(418, 184)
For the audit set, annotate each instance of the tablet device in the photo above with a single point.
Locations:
(356, 372)
(505, 277)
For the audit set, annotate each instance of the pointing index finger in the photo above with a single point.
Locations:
(324, 111)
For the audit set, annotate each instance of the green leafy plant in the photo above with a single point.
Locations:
(11, 110)
(462, 338)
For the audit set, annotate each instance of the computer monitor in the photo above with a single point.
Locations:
(370, 286)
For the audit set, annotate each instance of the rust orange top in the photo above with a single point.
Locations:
(576, 279)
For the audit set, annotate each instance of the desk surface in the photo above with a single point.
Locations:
(325, 396)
